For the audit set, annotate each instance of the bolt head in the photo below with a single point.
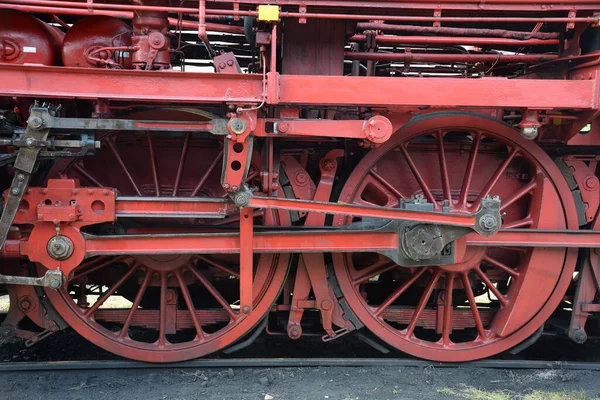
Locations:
(54, 284)
(590, 183)
(35, 122)
(238, 125)
(60, 247)
(579, 336)
(529, 133)
(328, 165)
(15, 191)
(246, 309)
(488, 223)
(301, 178)
(283, 127)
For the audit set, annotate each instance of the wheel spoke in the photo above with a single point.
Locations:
(190, 304)
(162, 324)
(473, 305)
(218, 266)
(387, 185)
(214, 292)
(517, 195)
(136, 303)
(503, 267)
(371, 271)
(87, 175)
(496, 177)
(443, 167)
(414, 320)
(110, 292)
(153, 165)
(186, 143)
(491, 286)
(112, 147)
(207, 174)
(447, 324)
(398, 292)
(417, 175)
(466, 184)
(110, 261)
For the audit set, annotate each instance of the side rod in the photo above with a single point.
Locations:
(310, 241)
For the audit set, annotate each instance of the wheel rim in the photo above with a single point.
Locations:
(173, 307)
(476, 156)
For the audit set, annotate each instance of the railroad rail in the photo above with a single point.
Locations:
(294, 362)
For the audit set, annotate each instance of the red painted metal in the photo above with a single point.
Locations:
(92, 41)
(498, 5)
(155, 221)
(470, 41)
(31, 81)
(63, 201)
(524, 302)
(25, 39)
(452, 58)
(154, 282)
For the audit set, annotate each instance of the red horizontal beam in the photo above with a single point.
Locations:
(177, 208)
(531, 238)
(185, 87)
(154, 86)
(438, 92)
(227, 243)
(308, 241)
(319, 241)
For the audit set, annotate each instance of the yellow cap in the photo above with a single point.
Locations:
(268, 13)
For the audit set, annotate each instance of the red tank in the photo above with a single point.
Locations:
(25, 39)
(97, 41)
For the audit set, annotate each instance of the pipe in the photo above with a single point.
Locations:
(471, 41)
(273, 66)
(452, 58)
(209, 26)
(44, 4)
(438, 30)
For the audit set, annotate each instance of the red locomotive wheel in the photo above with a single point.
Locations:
(492, 298)
(164, 308)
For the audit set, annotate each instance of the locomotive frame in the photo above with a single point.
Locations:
(512, 204)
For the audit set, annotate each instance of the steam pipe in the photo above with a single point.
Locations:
(67, 7)
(471, 41)
(446, 31)
(452, 58)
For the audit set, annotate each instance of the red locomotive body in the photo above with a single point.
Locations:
(180, 174)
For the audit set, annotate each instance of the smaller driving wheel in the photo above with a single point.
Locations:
(491, 298)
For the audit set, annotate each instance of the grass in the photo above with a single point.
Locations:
(471, 393)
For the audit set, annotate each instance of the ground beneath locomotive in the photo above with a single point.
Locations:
(334, 383)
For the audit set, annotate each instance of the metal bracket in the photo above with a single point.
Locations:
(44, 120)
(24, 165)
(52, 279)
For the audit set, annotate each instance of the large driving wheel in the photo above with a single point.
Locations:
(491, 298)
(164, 308)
